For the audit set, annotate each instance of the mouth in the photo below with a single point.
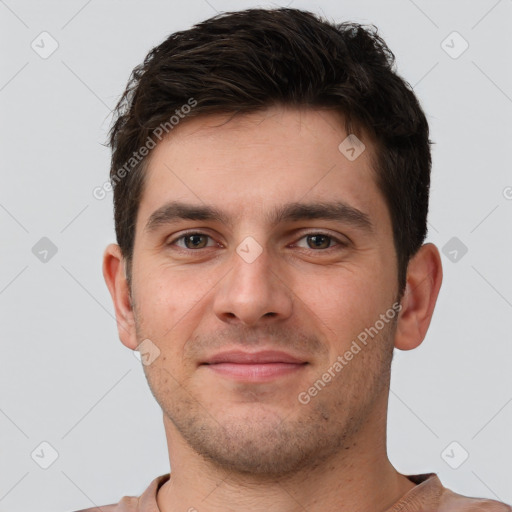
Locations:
(254, 367)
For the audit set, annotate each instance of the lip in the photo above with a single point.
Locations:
(255, 372)
(254, 358)
(260, 366)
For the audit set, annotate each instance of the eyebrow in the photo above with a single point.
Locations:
(291, 212)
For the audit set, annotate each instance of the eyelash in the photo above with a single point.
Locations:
(338, 243)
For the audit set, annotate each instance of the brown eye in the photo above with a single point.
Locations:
(195, 241)
(318, 241)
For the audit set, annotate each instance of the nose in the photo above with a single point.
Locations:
(253, 292)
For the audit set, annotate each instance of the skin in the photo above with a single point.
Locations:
(254, 445)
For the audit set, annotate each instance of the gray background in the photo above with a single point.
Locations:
(66, 380)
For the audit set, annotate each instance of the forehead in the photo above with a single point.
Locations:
(248, 164)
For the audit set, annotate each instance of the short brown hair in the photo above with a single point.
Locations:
(246, 61)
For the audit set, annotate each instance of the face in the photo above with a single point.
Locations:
(258, 234)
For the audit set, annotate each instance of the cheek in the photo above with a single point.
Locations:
(170, 303)
(345, 301)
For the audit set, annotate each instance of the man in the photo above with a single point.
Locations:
(271, 176)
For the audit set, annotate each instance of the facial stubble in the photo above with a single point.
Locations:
(266, 441)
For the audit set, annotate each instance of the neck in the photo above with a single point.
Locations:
(357, 478)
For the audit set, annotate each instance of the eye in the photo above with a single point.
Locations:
(193, 241)
(319, 241)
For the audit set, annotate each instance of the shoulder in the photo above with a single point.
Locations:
(430, 495)
(146, 502)
(453, 502)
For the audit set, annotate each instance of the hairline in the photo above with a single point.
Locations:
(348, 122)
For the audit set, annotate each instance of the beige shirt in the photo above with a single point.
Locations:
(429, 495)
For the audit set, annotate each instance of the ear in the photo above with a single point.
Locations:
(424, 277)
(115, 277)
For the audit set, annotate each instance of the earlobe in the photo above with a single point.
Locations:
(114, 273)
(424, 278)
